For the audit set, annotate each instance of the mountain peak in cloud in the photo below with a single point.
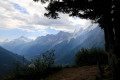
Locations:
(24, 39)
(6, 40)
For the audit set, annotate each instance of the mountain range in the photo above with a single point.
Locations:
(65, 44)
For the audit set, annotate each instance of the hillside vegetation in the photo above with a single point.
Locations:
(39, 68)
(91, 56)
(43, 68)
(7, 59)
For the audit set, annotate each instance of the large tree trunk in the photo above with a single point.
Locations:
(112, 37)
(112, 47)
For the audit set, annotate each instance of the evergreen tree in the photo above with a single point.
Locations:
(104, 12)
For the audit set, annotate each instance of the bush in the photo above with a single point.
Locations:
(91, 56)
(40, 67)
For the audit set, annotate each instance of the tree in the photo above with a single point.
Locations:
(104, 12)
(82, 58)
(93, 56)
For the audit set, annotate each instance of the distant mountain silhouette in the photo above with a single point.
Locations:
(65, 44)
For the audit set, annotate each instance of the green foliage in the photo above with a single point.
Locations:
(17, 67)
(92, 56)
(82, 57)
(40, 67)
(48, 58)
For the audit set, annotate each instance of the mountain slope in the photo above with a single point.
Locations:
(43, 43)
(6, 61)
(65, 52)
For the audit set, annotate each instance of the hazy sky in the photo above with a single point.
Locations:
(26, 18)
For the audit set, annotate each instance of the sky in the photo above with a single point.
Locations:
(26, 18)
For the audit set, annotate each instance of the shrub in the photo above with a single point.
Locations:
(40, 67)
(91, 56)
(82, 57)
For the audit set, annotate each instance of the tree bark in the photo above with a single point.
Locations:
(112, 48)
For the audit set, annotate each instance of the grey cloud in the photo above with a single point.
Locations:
(37, 20)
(22, 21)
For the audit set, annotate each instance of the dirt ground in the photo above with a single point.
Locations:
(79, 73)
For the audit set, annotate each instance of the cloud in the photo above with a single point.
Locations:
(33, 38)
(29, 16)
(1, 40)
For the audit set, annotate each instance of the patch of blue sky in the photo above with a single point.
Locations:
(5, 0)
(15, 33)
(21, 9)
(75, 18)
(11, 34)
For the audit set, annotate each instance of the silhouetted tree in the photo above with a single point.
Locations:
(82, 58)
(104, 12)
(92, 56)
